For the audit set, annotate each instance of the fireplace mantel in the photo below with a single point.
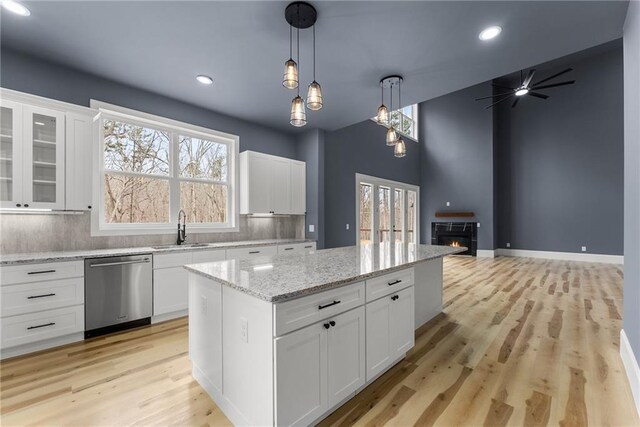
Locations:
(455, 214)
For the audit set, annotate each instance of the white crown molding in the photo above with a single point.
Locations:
(565, 256)
(485, 253)
(631, 367)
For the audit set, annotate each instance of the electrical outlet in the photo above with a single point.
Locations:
(448, 203)
(478, 225)
(347, 227)
(312, 228)
(584, 249)
(203, 304)
(508, 245)
(244, 329)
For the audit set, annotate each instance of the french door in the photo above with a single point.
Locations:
(386, 211)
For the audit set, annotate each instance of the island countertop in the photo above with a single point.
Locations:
(281, 278)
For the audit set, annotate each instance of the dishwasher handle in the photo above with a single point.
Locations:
(110, 264)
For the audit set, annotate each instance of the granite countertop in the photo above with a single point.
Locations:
(26, 258)
(280, 278)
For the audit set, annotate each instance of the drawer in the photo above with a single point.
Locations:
(175, 259)
(15, 274)
(209, 256)
(38, 296)
(255, 251)
(32, 327)
(296, 248)
(380, 286)
(297, 313)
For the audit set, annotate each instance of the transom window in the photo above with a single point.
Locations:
(405, 121)
(152, 167)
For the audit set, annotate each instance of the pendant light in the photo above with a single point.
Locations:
(383, 113)
(290, 78)
(298, 113)
(400, 150)
(314, 94)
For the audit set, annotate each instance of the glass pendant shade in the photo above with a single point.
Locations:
(383, 115)
(400, 150)
(290, 78)
(392, 137)
(298, 115)
(314, 96)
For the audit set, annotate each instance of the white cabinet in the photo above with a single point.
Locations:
(10, 154)
(79, 137)
(251, 252)
(271, 184)
(296, 248)
(390, 330)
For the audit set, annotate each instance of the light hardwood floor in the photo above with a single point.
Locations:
(521, 342)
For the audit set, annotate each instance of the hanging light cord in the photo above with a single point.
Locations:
(298, 38)
(400, 105)
(314, 52)
(290, 43)
(391, 106)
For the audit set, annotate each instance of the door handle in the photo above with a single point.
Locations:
(109, 264)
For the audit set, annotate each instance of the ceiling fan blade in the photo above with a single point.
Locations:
(498, 101)
(553, 77)
(515, 102)
(529, 78)
(554, 85)
(493, 96)
(538, 95)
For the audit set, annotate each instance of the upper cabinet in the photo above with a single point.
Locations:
(271, 184)
(44, 153)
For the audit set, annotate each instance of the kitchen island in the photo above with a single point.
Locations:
(286, 340)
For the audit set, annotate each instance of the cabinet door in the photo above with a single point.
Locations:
(259, 184)
(402, 322)
(378, 336)
(345, 355)
(170, 290)
(301, 376)
(78, 162)
(11, 150)
(280, 186)
(43, 158)
(298, 188)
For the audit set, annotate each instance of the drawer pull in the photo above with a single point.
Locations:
(320, 307)
(41, 272)
(288, 249)
(308, 247)
(332, 323)
(395, 282)
(40, 296)
(41, 326)
(254, 252)
(326, 326)
(395, 297)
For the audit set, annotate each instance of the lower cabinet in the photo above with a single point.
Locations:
(318, 366)
(390, 330)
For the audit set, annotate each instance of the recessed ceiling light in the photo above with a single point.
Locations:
(490, 33)
(205, 80)
(15, 7)
(522, 91)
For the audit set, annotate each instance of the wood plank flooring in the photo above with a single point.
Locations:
(521, 342)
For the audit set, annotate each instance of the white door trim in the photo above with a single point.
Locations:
(631, 367)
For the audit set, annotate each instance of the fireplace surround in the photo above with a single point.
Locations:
(456, 234)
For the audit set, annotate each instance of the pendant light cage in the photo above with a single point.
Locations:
(382, 117)
(314, 94)
(290, 77)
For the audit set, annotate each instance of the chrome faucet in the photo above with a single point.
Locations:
(182, 233)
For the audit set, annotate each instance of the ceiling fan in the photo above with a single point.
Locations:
(526, 88)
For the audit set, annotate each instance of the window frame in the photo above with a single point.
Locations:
(414, 119)
(99, 227)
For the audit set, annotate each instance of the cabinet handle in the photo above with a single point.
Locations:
(320, 307)
(26, 205)
(332, 323)
(308, 247)
(254, 252)
(41, 326)
(18, 205)
(41, 272)
(89, 207)
(395, 297)
(288, 249)
(40, 296)
(326, 326)
(394, 282)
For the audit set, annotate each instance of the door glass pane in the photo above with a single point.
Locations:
(411, 217)
(384, 208)
(398, 218)
(44, 158)
(366, 214)
(6, 154)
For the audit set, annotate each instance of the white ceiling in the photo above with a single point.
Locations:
(161, 46)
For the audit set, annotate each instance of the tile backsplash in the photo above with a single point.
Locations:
(44, 233)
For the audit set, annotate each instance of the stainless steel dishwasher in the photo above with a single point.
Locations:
(118, 293)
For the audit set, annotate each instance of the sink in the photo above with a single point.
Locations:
(187, 245)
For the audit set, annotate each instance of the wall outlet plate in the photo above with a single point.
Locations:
(347, 227)
(448, 203)
(244, 329)
(508, 245)
(312, 228)
(203, 304)
(584, 249)
(478, 225)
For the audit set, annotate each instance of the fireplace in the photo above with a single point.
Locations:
(456, 234)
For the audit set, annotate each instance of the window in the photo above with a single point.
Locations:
(408, 117)
(152, 167)
(386, 211)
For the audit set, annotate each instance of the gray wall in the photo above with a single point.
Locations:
(310, 149)
(632, 177)
(456, 135)
(32, 75)
(560, 162)
(359, 148)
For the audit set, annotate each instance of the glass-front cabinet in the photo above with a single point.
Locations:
(31, 157)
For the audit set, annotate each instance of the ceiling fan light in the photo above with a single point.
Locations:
(290, 78)
(314, 96)
(298, 115)
(382, 118)
(522, 91)
(490, 33)
(400, 150)
(392, 137)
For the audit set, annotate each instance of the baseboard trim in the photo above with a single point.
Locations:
(565, 256)
(631, 367)
(169, 316)
(485, 253)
